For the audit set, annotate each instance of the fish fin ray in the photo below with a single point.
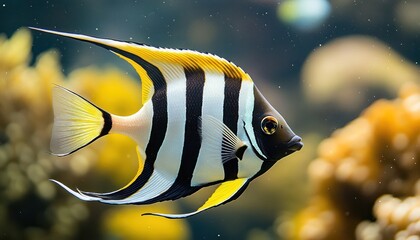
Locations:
(79, 194)
(226, 192)
(77, 122)
(231, 147)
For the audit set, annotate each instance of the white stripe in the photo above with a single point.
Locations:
(168, 160)
(246, 107)
(248, 120)
(250, 163)
(209, 165)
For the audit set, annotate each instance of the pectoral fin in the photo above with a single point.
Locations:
(225, 193)
(215, 133)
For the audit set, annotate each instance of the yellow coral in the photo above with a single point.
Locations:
(396, 218)
(16, 51)
(374, 155)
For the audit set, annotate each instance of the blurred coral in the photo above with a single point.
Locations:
(367, 176)
(341, 72)
(31, 206)
(396, 218)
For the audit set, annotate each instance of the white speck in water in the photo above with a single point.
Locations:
(96, 29)
(320, 45)
(218, 235)
(4, 5)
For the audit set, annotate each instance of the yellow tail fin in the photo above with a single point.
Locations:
(77, 122)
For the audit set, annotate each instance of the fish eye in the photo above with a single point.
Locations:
(269, 125)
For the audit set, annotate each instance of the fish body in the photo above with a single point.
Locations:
(203, 122)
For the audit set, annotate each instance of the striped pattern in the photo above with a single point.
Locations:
(157, 136)
(173, 157)
(181, 88)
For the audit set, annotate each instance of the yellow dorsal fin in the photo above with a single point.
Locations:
(189, 59)
(149, 61)
(225, 193)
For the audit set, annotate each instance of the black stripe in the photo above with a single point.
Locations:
(192, 139)
(159, 126)
(157, 135)
(230, 119)
(176, 191)
(261, 109)
(107, 123)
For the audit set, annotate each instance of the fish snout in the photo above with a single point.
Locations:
(295, 144)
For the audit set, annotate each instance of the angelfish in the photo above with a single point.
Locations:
(203, 122)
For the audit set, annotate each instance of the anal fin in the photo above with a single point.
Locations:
(225, 193)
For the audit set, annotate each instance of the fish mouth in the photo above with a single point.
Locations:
(295, 144)
(284, 149)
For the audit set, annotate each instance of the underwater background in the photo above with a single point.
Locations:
(344, 73)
